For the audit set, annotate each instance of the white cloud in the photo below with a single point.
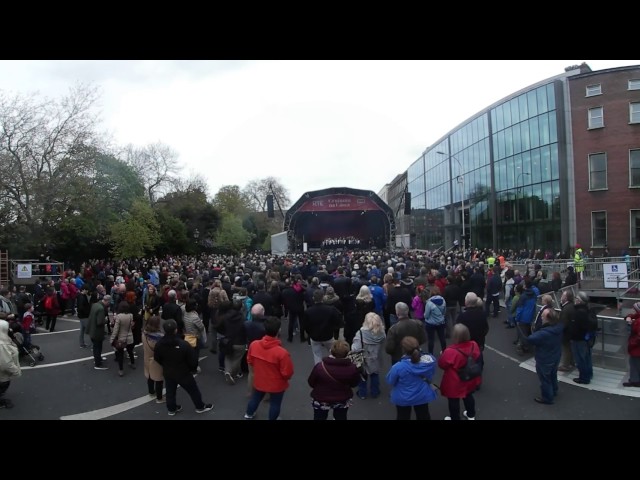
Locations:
(312, 124)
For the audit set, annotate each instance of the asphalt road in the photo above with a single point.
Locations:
(65, 386)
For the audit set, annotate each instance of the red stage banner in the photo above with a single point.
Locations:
(338, 203)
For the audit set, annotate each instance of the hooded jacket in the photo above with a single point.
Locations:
(9, 358)
(435, 310)
(272, 365)
(373, 346)
(408, 381)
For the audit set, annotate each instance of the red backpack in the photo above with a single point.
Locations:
(48, 302)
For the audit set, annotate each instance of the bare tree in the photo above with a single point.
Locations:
(45, 154)
(256, 192)
(156, 165)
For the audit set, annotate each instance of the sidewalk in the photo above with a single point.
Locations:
(604, 380)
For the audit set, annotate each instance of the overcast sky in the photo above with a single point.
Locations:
(312, 124)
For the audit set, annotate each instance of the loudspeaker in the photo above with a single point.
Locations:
(407, 203)
(270, 213)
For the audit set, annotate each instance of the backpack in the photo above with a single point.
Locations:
(48, 302)
(471, 369)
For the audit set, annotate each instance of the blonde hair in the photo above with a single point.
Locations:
(373, 322)
(364, 293)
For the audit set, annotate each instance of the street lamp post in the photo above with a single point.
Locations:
(460, 179)
(196, 236)
(517, 203)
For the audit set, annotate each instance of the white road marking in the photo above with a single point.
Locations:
(113, 409)
(513, 359)
(77, 360)
(55, 332)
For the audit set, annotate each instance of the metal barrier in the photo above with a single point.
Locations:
(610, 349)
(36, 269)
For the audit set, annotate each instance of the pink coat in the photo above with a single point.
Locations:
(450, 361)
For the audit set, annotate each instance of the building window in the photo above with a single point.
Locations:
(596, 117)
(634, 168)
(597, 171)
(593, 90)
(634, 224)
(634, 84)
(634, 113)
(598, 229)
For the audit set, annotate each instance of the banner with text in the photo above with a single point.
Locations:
(334, 203)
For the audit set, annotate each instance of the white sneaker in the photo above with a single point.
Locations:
(161, 400)
(468, 417)
(447, 417)
(249, 417)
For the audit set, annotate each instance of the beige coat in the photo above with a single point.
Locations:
(122, 328)
(152, 369)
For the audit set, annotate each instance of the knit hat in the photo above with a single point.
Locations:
(636, 307)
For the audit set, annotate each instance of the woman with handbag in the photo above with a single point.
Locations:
(122, 335)
(332, 381)
(370, 339)
(410, 381)
(152, 369)
(193, 326)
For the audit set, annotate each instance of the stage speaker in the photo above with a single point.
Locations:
(407, 203)
(270, 213)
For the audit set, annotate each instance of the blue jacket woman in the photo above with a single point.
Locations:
(410, 380)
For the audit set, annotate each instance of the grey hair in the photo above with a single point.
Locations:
(402, 309)
(172, 294)
(584, 298)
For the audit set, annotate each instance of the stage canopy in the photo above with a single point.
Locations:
(340, 213)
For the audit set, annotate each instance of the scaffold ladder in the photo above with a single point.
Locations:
(4, 268)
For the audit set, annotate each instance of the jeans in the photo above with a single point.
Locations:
(275, 403)
(293, 323)
(422, 412)
(188, 383)
(634, 369)
(511, 320)
(548, 376)
(374, 378)
(97, 352)
(582, 356)
(83, 328)
(393, 319)
(431, 336)
(495, 301)
(469, 404)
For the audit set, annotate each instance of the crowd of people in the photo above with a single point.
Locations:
(373, 301)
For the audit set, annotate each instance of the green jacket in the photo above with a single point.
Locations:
(95, 327)
(578, 261)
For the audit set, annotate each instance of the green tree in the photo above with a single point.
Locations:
(137, 234)
(231, 237)
(192, 208)
(173, 238)
(230, 199)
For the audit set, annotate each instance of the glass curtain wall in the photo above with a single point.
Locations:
(520, 136)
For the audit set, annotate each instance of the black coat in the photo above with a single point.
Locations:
(177, 357)
(320, 320)
(475, 319)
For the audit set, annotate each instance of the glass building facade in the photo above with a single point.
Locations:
(503, 165)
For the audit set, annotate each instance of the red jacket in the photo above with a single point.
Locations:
(633, 346)
(450, 361)
(272, 365)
